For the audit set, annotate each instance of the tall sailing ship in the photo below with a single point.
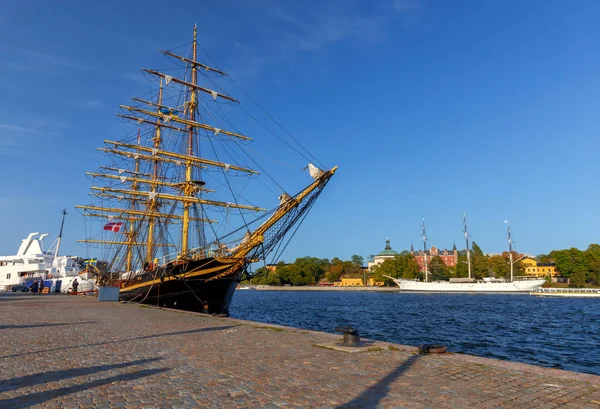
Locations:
(469, 284)
(174, 213)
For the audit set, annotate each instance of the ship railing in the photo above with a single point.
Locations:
(526, 278)
(570, 290)
(198, 253)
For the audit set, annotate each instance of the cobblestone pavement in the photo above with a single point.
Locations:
(73, 352)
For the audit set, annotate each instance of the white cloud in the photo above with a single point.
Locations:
(336, 22)
(404, 5)
(15, 134)
(34, 57)
(16, 128)
(92, 103)
(140, 77)
(294, 32)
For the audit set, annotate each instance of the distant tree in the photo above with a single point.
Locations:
(410, 268)
(577, 279)
(570, 261)
(498, 266)
(544, 258)
(438, 269)
(476, 250)
(334, 272)
(258, 274)
(270, 279)
(389, 267)
(461, 269)
(479, 262)
(357, 261)
(592, 255)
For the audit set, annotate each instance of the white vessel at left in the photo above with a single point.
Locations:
(32, 262)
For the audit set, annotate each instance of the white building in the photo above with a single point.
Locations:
(386, 253)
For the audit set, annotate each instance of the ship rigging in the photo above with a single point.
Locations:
(174, 212)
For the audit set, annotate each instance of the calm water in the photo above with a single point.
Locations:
(554, 332)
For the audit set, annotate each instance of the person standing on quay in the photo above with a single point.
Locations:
(75, 284)
(41, 287)
(34, 287)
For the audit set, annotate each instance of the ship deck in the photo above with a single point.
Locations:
(75, 352)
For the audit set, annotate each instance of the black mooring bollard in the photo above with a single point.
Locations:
(351, 336)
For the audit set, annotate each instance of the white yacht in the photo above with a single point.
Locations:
(32, 262)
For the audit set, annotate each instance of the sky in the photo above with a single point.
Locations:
(429, 108)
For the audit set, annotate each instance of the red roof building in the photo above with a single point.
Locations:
(450, 257)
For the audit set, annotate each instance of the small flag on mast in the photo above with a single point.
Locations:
(90, 262)
(113, 226)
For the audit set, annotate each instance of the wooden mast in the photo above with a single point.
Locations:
(131, 233)
(152, 205)
(189, 189)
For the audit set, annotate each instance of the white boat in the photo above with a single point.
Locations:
(566, 292)
(487, 285)
(32, 262)
(469, 284)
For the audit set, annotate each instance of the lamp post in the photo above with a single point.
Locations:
(510, 255)
(424, 235)
(465, 231)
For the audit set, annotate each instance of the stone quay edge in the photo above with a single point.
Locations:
(76, 352)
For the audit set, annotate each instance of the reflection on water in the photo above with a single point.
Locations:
(554, 332)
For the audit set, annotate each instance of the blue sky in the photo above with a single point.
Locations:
(429, 108)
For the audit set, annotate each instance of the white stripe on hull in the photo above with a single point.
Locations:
(480, 287)
(565, 294)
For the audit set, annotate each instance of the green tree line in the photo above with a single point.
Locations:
(308, 271)
(581, 267)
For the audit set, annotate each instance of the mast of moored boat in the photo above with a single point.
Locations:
(424, 249)
(510, 254)
(64, 213)
(465, 231)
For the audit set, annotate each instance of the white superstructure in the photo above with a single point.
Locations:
(483, 286)
(30, 262)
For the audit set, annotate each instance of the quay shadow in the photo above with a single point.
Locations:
(192, 331)
(24, 304)
(10, 326)
(51, 376)
(371, 396)
(10, 296)
(21, 402)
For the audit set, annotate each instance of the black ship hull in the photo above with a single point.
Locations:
(199, 293)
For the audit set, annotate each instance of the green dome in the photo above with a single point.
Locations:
(388, 250)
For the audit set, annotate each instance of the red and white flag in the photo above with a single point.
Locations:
(113, 226)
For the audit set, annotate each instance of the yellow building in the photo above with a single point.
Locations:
(357, 282)
(349, 282)
(535, 269)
